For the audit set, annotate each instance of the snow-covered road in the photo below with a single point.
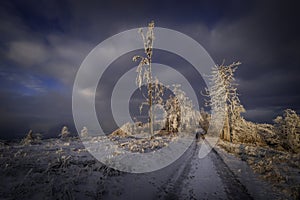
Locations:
(56, 169)
(188, 178)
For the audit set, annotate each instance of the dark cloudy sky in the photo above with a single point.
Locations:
(42, 44)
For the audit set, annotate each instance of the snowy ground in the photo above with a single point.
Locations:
(280, 169)
(57, 169)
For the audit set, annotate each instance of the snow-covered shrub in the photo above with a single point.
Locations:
(64, 132)
(288, 129)
(268, 135)
(31, 138)
(254, 133)
(84, 132)
(244, 132)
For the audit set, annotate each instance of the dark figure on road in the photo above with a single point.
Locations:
(199, 134)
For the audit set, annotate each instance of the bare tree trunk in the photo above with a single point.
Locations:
(230, 123)
(227, 129)
(150, 100)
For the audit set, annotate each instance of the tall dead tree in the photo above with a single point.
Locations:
(144, 70)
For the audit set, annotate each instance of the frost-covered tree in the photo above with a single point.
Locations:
(179, 108)
(172, 117)
(180, 111)
(204, 120)
(144, 70)
(188, 115)
(224, 97)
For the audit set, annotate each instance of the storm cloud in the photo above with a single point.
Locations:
(43, 44)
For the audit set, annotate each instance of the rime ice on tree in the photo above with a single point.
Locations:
(144, 70)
